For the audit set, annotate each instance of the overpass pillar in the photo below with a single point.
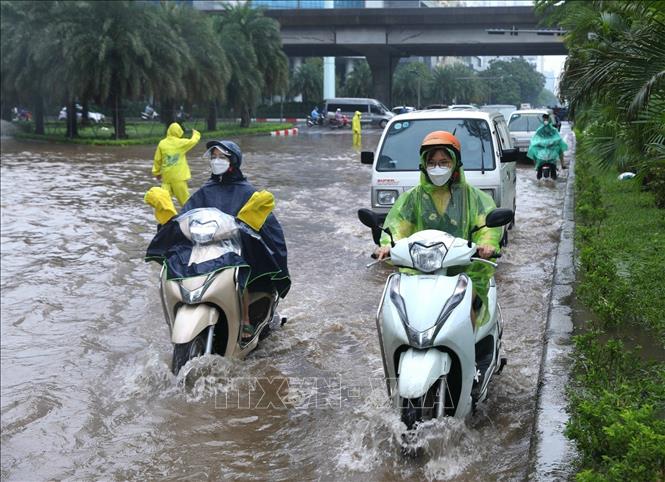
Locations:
(383, 66)
(328, 77)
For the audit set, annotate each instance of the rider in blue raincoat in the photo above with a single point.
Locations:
(227, 190)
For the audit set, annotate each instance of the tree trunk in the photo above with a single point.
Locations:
(245, 117)
(38, 114)
(72, 126)
(84, 114)
(212, 116)
(118, 116)
(168, 112)
(6, 112)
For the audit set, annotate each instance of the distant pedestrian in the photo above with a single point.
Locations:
(355, 125)
(170, 164)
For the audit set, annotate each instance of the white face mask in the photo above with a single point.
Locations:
(219, 165)
(439, 175)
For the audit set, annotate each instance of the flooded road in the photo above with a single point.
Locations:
(86, 389)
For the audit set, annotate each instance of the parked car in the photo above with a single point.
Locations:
(503, 109)
(523, 124)
(463, 107)
(487, 154)
(402, 109)
(96, 117)
(436, 106)
(371, 111)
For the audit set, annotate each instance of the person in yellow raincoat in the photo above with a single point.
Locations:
(355, 126)
(170, 163)
(443, 200)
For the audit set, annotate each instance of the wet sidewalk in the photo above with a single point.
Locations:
(551, 453)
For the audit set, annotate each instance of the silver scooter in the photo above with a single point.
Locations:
(436, 362)
(204, 313)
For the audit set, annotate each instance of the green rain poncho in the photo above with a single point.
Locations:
(455, 208)
(546, 146)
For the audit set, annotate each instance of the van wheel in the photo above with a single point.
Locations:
(383, 123)
(512, 223)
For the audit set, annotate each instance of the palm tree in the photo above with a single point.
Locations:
(359, 81)
(24, 77)
(118, 50)
(410, 83)
(455, 83)
(206, 69)
(308, 81)
(614, 81)
(254, 49)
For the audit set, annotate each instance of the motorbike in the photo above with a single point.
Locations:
(547, 170)
(312, 122)
(334, 123)
(436, 363)
(204, 312)
(149, 113)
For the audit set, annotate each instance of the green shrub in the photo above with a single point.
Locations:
(617, 398)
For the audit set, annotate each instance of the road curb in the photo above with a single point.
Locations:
(550, 452)
(285, 132)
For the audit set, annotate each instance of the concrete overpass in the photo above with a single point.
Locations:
(383, 35)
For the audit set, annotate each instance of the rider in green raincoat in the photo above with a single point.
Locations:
(443, 200)
(546, 146)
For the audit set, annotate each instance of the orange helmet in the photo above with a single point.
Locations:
(444, 139)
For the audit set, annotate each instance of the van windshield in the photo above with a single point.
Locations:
(524, 122)
(400, 151)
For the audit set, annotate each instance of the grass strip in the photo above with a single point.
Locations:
(617, 395)
(144, 133)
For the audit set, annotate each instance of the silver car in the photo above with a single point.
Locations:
(522, 126)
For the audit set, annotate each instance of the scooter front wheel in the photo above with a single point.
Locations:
(183, 352)
(430, 405)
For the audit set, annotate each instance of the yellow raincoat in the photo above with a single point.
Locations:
(160, 199)
(171, 164)
(257, 209)
(355, 126)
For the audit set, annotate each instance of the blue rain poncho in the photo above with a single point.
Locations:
(265, 258)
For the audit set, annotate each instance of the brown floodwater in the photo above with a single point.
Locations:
(86, 390)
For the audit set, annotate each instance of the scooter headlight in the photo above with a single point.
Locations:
(202, 232)
(427, 257)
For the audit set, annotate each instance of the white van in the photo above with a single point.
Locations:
(371, 111)
(488, 156)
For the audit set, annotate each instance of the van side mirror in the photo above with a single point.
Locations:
(509, 155)
(367, 157)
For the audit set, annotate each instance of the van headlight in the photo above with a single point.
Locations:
(427, 257)
(386, 197)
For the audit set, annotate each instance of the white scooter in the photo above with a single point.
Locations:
(204, 313)
(435, 363)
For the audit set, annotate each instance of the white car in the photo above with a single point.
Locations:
(487, 154)
(523, 124)
(96, 117)
(462, 107)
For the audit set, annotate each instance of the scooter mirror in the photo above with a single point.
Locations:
(368, 218)
(499, 217)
